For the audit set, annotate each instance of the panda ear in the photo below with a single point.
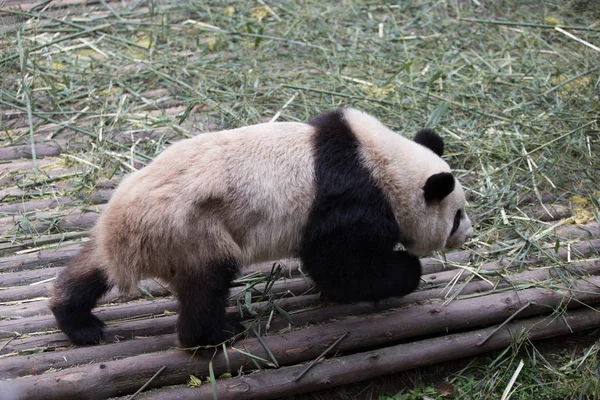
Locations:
(431, 140)
(438, 186)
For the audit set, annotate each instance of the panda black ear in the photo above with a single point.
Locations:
(438, 186)
(431, 140)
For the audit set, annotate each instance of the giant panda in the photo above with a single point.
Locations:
(341, 192)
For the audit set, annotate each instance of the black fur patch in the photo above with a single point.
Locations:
(75, 296)
(431, 140)
(347, 245)
(202, 300)
(438, 186)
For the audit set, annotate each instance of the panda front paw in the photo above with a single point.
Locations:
(209, 334)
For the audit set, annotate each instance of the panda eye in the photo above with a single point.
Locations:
(456, 222)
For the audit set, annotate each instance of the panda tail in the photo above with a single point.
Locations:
(75, 293)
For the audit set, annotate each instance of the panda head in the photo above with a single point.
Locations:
(440, 221)
(427, 201)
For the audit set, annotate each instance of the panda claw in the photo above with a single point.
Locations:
(85, 332)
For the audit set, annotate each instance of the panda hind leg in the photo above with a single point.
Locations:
(202, 299)
(75, 293)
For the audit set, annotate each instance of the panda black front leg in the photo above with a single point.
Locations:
(399, 276)
(202, 302)
(363, 277)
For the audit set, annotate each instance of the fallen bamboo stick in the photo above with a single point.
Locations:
(362, 366)
(119, 377)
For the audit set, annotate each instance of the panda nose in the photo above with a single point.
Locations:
(469, 233)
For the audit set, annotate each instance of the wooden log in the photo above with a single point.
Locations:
(98, 197)
(45, 149)
(33, 260)
(43, 258)
(35, 243)
(35, 179)
(24, 309)
(343, 370)
(62, 255)
(302, 285)
(135, 310)
(50, 128)
(22, 166)
(131, 310)
(549, 212)
(16, 366)
(299, 286)
(28, 277)
(51, 190)
(158, 307)
(155, 288)
(296, 286)
(120, 377)
(569, 232)
(67, 219)
(116, 332)
(38, 363)
(337, 311)
(500, 266)
(546, 198)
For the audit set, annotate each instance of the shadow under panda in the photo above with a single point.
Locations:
(339, 192)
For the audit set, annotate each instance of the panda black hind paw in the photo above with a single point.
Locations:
(84, 332)
(234, 324)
